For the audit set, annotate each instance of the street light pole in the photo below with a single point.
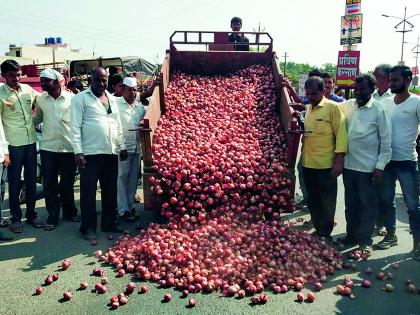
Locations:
(404, 21)
(285, 61)
(416, 52)
(403, 35)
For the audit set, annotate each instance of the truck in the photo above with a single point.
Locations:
(218, 57)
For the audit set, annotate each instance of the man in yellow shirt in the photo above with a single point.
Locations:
(325, 144)
(16, 102)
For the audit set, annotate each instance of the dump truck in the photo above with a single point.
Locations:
(217, 56)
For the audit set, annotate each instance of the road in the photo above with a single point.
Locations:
(35, 254)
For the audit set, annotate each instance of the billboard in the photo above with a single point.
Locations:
(353, 7)
(351, 29)
(347, 67)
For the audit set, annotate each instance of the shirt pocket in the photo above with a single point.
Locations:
(321, 127)
(26, 100)
(363, 127)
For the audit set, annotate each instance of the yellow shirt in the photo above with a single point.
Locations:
(16, 114)
(326, 135)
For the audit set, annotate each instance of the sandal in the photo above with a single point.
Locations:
(3, 223)
(382, 232)
(49, 227)
(36, 223)
(16, 227)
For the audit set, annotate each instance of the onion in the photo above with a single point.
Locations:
(219, 154)
(67, 295)
(83, 285)
(310, 297)
(39, 290)
(300, 297)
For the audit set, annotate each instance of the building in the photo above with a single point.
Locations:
(52, 51)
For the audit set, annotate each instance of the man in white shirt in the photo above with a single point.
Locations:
(97, 140)
(404, 110)
(131, 113)
(381, 74)
(382, 92)
(369, 151)
(57, 158)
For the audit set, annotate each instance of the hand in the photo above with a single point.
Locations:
(337, 169)
(6, 161)
(123, 155)
(377, 177)
(80, 160)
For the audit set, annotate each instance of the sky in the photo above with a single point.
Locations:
(308, 30)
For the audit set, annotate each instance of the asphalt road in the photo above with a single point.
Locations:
(35, 254)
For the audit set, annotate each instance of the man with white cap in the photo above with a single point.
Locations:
(131, 113)
(16, 101)
(97, 139)
(57, 158)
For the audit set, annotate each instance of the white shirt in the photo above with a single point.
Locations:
(4, 146)
(369, 132)
(405, 119)
(130, 116)
(93, 130)
(55, 115)
(387, 94)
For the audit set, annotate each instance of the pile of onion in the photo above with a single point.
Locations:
(220, 158)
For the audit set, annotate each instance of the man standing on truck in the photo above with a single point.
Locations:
(131, 113)
(16, 101)
(57, 158)
(235, 37)
(325, 143)
(97, 139)
(369, 131)
(404, 109)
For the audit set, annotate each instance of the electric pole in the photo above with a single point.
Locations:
(404, 22)
(285, 62)
(258, 35)
(416, 52)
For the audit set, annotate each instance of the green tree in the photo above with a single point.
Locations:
(293, 70)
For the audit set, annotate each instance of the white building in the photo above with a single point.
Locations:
(52, 51)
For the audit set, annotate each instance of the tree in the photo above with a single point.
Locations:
(293, 70)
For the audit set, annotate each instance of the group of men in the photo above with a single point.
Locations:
(371, 141)
(93, 130)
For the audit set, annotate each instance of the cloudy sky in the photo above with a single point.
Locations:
(308, 30)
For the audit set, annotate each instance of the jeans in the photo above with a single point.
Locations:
(361, 199)
(301, 179)
(128, 175)
(54, 164)
(407, 174)
(22, 156)
(102, 168)
(322, 198)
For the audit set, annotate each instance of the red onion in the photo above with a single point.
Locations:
(219, 153)
(83, 285)
(39, 290)
(67, 295)
(310, 297)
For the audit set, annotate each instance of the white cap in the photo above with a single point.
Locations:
(51, 74)
(130, 81)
